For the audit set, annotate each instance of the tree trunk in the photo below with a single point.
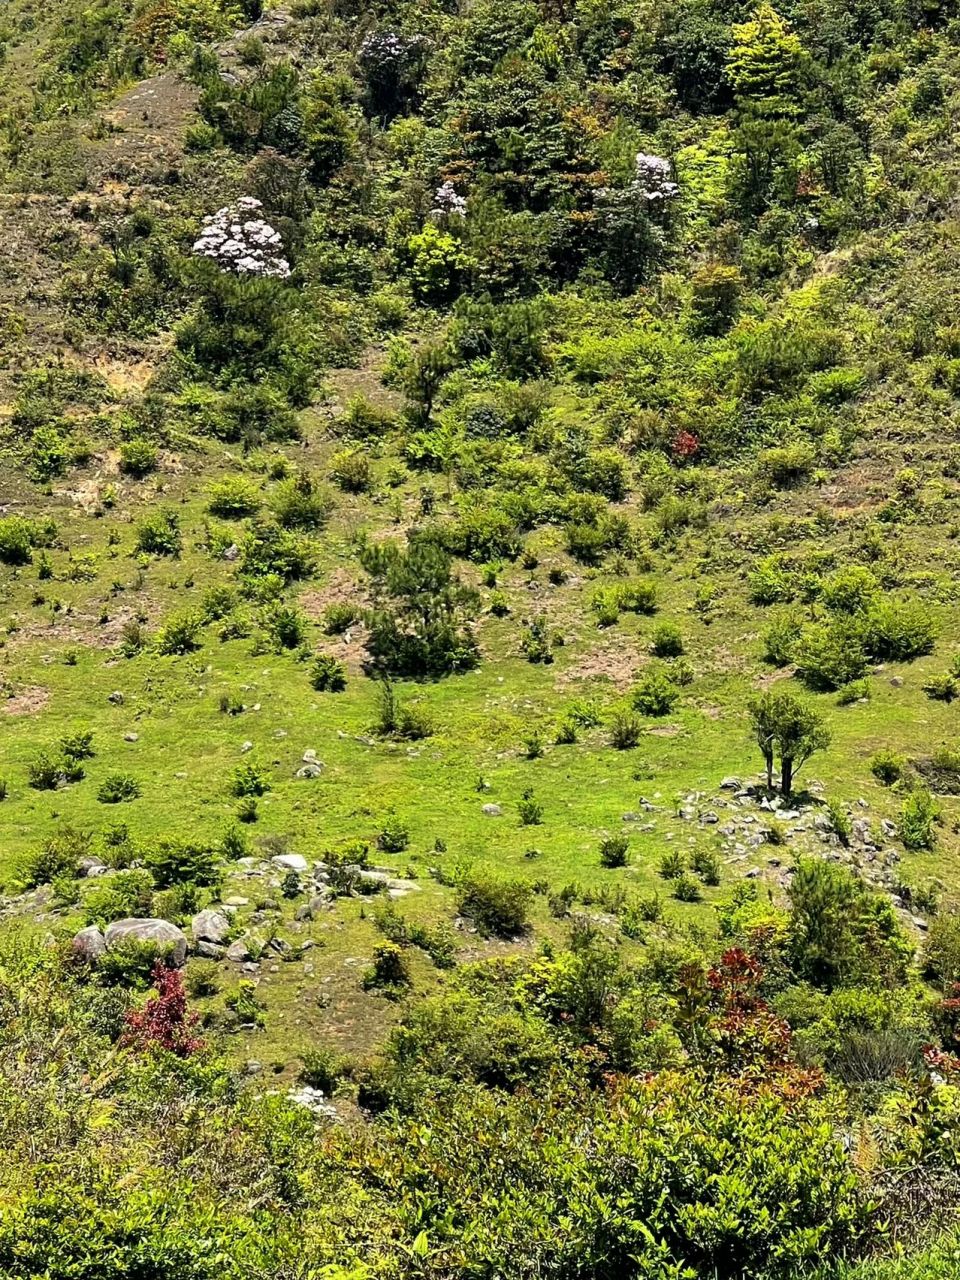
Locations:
(786, 774)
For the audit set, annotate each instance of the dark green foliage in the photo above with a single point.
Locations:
(419, 625)
(788, 729)
(327, 674)
(613, 851)
(496, 905)
(117, 788)
(159, 533)
(176, 862)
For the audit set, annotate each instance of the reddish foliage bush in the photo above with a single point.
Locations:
(164, 1021)
(685, 446)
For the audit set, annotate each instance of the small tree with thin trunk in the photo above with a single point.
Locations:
(787, 728)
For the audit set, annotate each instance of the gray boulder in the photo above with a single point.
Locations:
(89, 945)
(290, 861)
(161, 933)
(210, 926)
(491, 810)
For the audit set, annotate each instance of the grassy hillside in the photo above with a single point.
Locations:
(406, 567)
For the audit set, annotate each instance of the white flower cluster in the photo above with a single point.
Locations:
(238, 240)
(384, 47)
(654, 181)
(447, 203)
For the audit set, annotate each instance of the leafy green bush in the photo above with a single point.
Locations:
(667, 641)
(138, 458)
(180, 634)
(613, 851)
(177, 862)
(249, 779)
(626, 730)
(159, 533)
(117, 788)
(233, 498)
(340, 617)
(887, 766)
(350, 471)
(327, 674)
(16, 540)
(898, 630)
(655, 693)
(496, 905)
(919, 815)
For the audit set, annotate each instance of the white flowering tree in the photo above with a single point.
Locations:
(633, 220)
(239, 240)
(448, 203)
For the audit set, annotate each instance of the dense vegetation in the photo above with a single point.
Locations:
(479, 546)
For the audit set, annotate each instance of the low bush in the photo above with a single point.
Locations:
(496, 905)
(327, 674)
(138, 458)
(117, 788)
(159, 533)
(614, 850)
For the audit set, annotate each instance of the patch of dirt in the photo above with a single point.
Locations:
(27, 702)
(144, 131)
(339, 589)
(614, 662)
(665, 730)
(774, 677)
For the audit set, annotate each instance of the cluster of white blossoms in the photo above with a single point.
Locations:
(238, 240)
(654, 181)
(447, 203)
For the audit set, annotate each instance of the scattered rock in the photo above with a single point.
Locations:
(231, 553)
(92, 866)
(131, 737)
(290, 861)
(160, 932)
(89, 944)
(238, 951)
(731, 784)
(491, 810)
(116, 698)
(210, 926)
(245, 747)
(312, 770)
(210, 950)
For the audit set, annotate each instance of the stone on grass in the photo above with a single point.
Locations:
(491, 810)
(89, 944)
(210, 926)
(164, 935)
(290, 861)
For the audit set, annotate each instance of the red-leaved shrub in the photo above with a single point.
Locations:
(164, 1021)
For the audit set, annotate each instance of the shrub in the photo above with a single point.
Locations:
(898, 630)
(180, 634)
(942, 688)
(117, 788)
(339, 617)
(850, 590)
(655, 693)
(787, 466)
(138, 458)
(613, 851)
(706, 864)
(399, 720)
(672, 864)
(390, 972)
(233, 498)
(771, 582)
(887, 766)
(323, 1069)
(327, 674)
(639, 596)
(919, 815)
(667, 641)
(626, 730)
(394, 836)
(58, 856)
(496, 905)
(781, 638)
(177, 862)
(830, 655)
(159, 533)
(249, 780)
(301, 503)
(202, 978)
(685, 889)
(350, 471)
(530, 810)
(78, 745)
(16, 540)
(46, 772)
(285, 625)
